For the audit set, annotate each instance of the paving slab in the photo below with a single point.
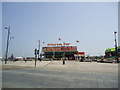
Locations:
(52, 74)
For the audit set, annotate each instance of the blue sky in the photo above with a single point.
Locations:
(0, 29)
(92, 23)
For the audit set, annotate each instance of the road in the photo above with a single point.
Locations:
(55, 75)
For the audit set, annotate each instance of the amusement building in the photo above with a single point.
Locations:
(111, 53)
(59, 51)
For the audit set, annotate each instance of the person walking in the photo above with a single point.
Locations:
(63, 62)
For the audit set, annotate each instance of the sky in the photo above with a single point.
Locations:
(0, 29)
(119, 25)
(91, 23)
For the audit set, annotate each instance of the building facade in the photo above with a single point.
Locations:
(58, 52)
(111, 52)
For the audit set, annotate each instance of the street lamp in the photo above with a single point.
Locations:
(116, 49)
(38, 49)
(8, 38)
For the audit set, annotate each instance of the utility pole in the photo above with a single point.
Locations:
(8, 38)
(116, 49)
(39, 50)
(35, 52)
(63, 49)
(64, 53)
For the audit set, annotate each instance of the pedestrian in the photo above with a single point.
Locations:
(63, 62)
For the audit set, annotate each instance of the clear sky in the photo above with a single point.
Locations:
(0, 29)
(92, 23)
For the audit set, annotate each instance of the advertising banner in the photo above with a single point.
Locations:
(58, 44)
(66, 48)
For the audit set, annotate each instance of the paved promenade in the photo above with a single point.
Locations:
(52, 74)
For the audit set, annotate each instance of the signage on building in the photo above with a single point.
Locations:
(81, 53)
(65, 48)
(58, 44)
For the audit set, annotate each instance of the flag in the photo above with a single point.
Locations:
(59, 38)
(77, 41)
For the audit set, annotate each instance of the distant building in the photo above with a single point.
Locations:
(79, 55)
(30, 58)
(19, 58)
(111, 52)
(55, 51)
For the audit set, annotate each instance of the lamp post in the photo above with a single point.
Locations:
(116, 49)
(39, 50)
(64, 53)
(8, 38)
(35, 52)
